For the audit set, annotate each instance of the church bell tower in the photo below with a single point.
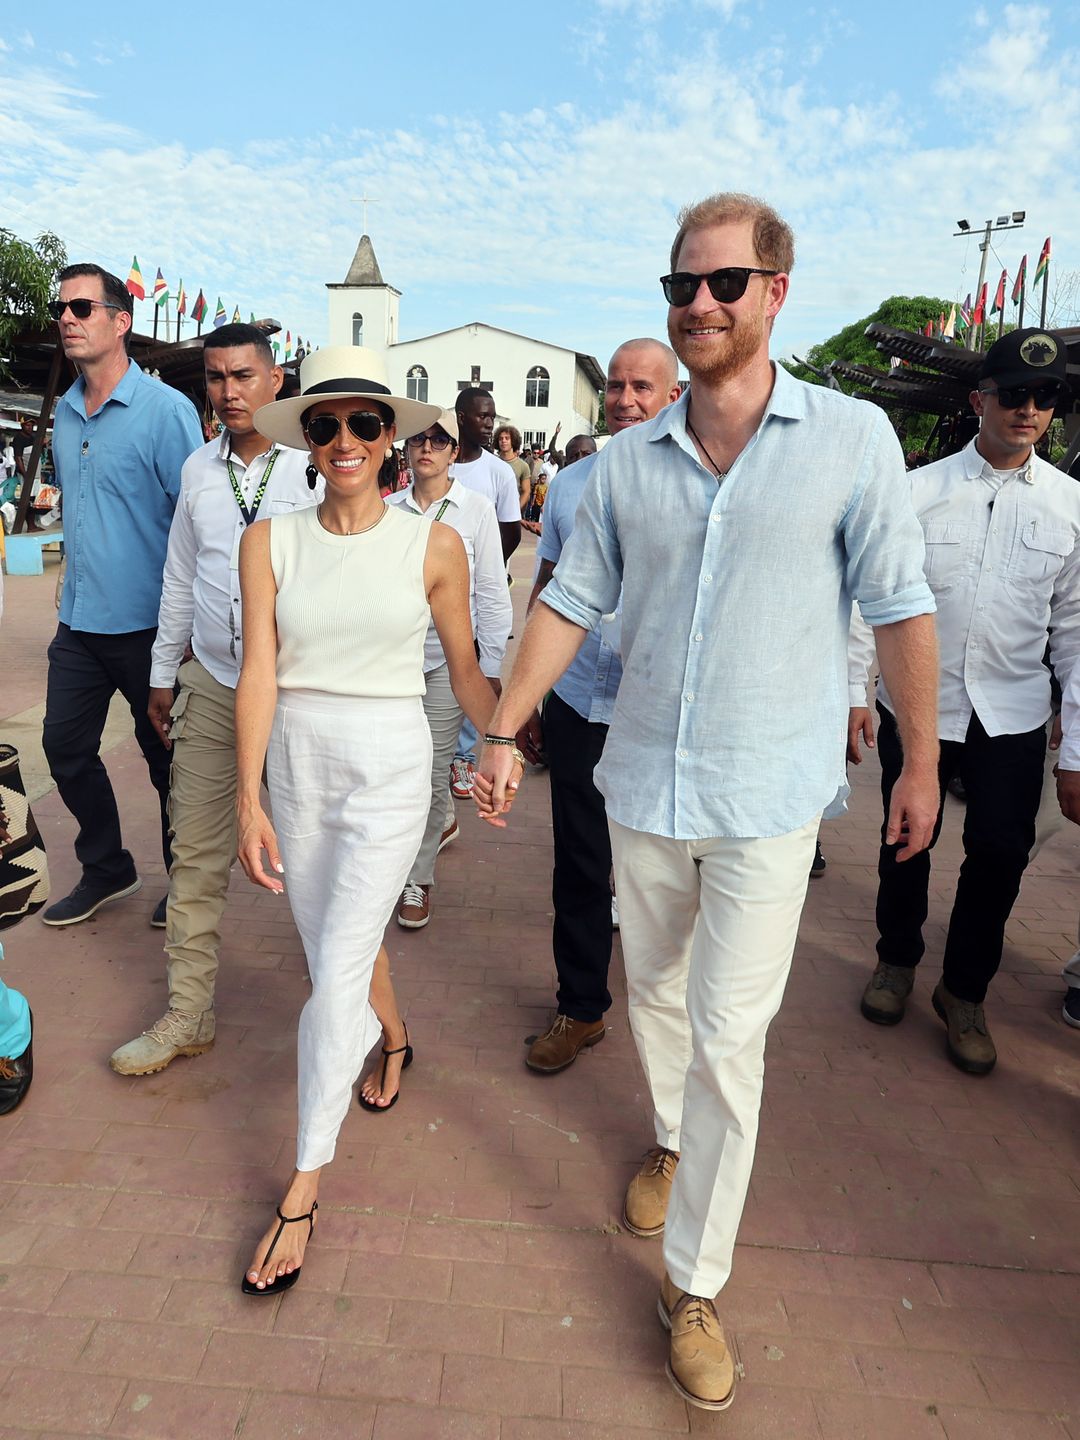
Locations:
(364, 309)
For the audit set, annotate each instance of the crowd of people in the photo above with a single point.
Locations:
(735, 543)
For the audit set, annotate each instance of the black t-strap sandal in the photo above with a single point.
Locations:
(405, 1050)
(281, 1282)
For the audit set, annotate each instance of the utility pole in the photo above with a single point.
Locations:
(1012, 221)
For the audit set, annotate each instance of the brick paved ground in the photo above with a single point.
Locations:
(908, 1258)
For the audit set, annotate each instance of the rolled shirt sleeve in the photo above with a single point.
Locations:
(588, 578)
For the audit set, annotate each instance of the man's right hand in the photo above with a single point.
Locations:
(860, 725)
(913, 812)
(530, 739)
(160, 711)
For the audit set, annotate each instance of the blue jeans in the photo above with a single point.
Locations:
(466, 742)
(14, 1021)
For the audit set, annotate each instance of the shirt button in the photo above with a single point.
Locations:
(689, 695)
(683, 754)
(714, 517)
(708, 579)
(699, 638)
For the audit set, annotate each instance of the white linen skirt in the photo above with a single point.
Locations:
(350, 786)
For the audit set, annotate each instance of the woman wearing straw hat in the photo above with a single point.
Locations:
(336, 607)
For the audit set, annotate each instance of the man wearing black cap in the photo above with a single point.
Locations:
(1002, 530)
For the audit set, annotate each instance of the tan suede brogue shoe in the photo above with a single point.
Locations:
(647, 1195)
(700, 1365)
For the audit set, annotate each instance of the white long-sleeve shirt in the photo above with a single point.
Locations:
(1069, 754)
(200, 593)
(473, 517)
(1003, 561)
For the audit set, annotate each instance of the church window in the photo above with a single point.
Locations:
(357, 328)
(416, 384)
(537, 385)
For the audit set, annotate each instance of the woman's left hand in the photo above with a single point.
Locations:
(256, 834)
(496, 782)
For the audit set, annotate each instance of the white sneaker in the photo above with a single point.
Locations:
(461, 778)
(614, 912)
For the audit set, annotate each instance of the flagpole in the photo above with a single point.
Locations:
(156, 309)
(1023, 297)
(1046, 284)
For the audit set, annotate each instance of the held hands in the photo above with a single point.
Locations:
(254, 835)
(496, 782)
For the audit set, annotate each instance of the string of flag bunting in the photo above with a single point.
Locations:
(160, 296)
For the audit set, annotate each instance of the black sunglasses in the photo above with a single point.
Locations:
(437, 442)
(79, 308)
(1015, 397)
(724, 285)
(364, 424)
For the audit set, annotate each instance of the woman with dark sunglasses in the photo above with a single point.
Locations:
(337, 601)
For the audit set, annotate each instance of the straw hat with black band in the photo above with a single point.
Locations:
(341, 372)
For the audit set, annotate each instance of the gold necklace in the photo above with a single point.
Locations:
(362, 531)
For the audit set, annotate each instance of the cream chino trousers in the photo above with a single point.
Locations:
(708, 929)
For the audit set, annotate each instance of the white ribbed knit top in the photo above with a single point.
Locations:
(352, 610)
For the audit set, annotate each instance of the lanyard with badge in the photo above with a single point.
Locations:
(248, 514)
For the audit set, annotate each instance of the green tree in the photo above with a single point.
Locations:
(28, 277)
(903, 312)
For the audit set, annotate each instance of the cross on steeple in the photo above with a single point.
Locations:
(475, 383)
(365, 201)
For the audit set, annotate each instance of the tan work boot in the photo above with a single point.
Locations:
(886, 993)
(700, 1364)
(969, 1044)
(560, 1043)
(176, 1033)
(647, 1195)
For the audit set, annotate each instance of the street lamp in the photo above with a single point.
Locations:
(1012, 221)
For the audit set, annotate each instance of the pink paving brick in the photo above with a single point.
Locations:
(396, 1421)
(610, 1397)
(294, 1417)
(42, 1399)
(382, 1372)
(870, 1417)
(162, 1410)
(506, 1387)
(111, 1297)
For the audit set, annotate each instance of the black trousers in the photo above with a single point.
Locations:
(85, 671)
(1003, 778)
(580, 882)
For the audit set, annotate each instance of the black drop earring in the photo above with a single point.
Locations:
(312, 477)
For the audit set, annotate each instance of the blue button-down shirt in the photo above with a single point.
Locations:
(591, 681)
(120, 473)
(732, 714)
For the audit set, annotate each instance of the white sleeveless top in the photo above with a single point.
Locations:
(351, 610)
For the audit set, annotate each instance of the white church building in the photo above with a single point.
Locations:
(535, 385)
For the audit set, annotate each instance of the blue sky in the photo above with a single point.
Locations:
(527, 162)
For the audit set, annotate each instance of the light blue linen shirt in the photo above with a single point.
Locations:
(732, 714)
(590, 682)
(119, 470)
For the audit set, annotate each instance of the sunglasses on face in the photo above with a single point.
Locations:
(437, 442)
(365, 425)
(724, 285)
(1015, 397)
(79, 308)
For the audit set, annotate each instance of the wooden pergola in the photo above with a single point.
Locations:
(40, 370)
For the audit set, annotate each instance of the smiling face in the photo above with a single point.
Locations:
(238, 381)
(349, 465)
(100, 337)
(641, 380)
(716, 341)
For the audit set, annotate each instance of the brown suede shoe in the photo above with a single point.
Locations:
(700, 1364)
(647, 1195)
(559, 1045)
(969, 1044)
(886, 993)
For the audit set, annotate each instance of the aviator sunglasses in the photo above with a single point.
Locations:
(364, 424)
(437, 442)
(79, 308)
(724, 285)
(1015, 397)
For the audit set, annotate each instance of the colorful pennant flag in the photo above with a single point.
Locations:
(948, 330)
(288, 345)
(964, 318)
(252, 320)
(236, 316)
(998, 307)
(1044, 261)
(198, 312)
(181, 300)
(161, 290)
(135, 284)
(978, 316)
(1021, 281)
(219, 315)
(275, 347)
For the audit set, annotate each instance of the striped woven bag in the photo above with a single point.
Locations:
(24, 870)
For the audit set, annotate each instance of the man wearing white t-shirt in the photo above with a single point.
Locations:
(478, 469)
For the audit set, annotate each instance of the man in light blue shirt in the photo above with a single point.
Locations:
(739, 524)
(642, 377)
(119, 440)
